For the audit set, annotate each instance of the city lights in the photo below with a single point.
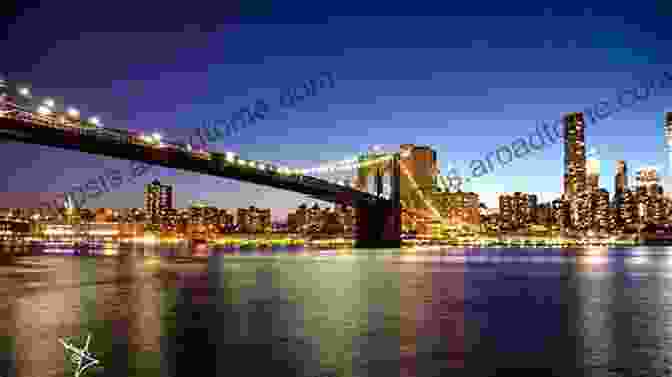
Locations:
(585, 211)
(73, 113)
(43, 110)
(49, 103)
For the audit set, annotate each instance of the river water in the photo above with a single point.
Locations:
(439, 312)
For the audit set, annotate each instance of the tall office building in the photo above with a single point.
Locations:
(575, 154)
(254, 220)
(158, 199)
(601, 215)
(668, 130)
(647, 176)
(621, 179)
(3, 84)
(516, 210)
(561, 213)
(593, 174)
(457, 208)
(629, 212)
(668, 143)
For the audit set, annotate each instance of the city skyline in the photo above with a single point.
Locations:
(462, 107)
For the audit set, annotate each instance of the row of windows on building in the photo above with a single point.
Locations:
(587, 211)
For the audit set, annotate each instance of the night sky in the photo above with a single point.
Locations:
(461, 78)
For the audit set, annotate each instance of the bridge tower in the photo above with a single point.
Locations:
(379, 223)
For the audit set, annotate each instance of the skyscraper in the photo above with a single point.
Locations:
(668, 142)
(647, 176)
(593, 174)
(3, 84)
(668, 131)
(621, 178)
(575, 154)
(158, 199)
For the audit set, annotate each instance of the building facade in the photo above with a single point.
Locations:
(575, 154)
(158, 199)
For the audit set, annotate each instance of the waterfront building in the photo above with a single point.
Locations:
(543, 215)
(346, 216)
(104, 215)
(489, 222)
(668, 141)
(516, 210)
(647, 176)
(581, 211)
(203, 214)
(458, 208)
(650, 198)
(593, 174)
(614, 220)
(621, 182)
(226, 220)
(651, 205)
(158, 199)
(254, 220)
(629, 212)
(79, 215)
(170, 220)
(561, 213)
(9, 228)
(600, 211)
(590, 211)
(3, 85)
(211, 215)
(575, 154)
(297, 222)
(506, 212)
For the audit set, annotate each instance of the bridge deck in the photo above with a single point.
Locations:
(105, 145)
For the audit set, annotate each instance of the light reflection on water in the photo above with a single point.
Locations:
(152, 311)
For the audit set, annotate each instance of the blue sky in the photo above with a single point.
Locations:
(463, 83)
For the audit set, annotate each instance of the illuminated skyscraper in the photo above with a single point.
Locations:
(668, 130)
(254, 220)
(593, 174)
(601, 216)
(158, 199)
(647, 176)
(457, 208)
(621, 178)
(668, 142)
(629, 211)
(516, 210)
(3, 84)
(575, 154)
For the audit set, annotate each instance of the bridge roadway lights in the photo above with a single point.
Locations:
(378, 225)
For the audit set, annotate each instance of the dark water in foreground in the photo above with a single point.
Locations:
(347, 313)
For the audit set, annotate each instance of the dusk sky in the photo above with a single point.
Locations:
(455, 78)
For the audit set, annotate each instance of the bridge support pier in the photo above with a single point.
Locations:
(378, 225)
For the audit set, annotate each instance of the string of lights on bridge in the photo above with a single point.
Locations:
(375, 156)
(48, 105)
(46, 109)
